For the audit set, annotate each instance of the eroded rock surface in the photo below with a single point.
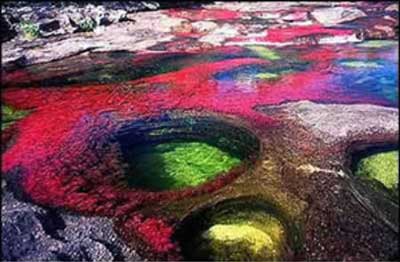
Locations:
(333, 123)
(34, 233)
(42, 33)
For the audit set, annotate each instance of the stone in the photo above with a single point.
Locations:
(33, 233)
(49, 26)
(337, 15)
(6, 29)
(204, 26)
(392, 8)
(336, 123)
(150, 29)
(219, 35)
(296, 16)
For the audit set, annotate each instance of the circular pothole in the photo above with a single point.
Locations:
(379, 168)
(234, 230)
(173, 151)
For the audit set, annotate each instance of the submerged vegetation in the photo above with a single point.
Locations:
(178, 164)
(9, 115)
(382, 167)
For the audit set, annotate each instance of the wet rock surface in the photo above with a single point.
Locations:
(333, 123)
(103, 23)
(34, 233)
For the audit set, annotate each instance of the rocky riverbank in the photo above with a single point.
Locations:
(41, 33)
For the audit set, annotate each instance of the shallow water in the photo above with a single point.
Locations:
(70, 112)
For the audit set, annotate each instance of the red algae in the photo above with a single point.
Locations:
(291, 33)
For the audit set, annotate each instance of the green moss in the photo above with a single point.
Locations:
(87, 25)
(10, 115)
(361, 64)
(264, 52)
(382, 167)
(29, 29)
(244, 235)
(176, 165)
(377, 43)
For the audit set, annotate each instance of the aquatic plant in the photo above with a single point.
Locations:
(264, 52)
(87, 25)
(267, 75)
(236, 231)
(377, 43)
(178, 164)
(9, 115)
(256, 236)
(361, 64)
(29, 29)
(381, 167)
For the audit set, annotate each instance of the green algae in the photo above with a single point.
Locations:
(381, 167)
(267, 75)
(377, 43)
(176, 165)
(244, 235)
(361, 64)
(29, 29)
(264, 52)
(10, 115)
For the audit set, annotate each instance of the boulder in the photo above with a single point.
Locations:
(33, 233)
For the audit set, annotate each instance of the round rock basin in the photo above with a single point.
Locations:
(379, 167)
(172, 152)
(234, 230)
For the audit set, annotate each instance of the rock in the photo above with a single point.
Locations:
(334, 123)
(184, 28)
(251, 6)
(7, 31)
(32, 233)
(268, 15)
(220, 35)
(150, 29)
(296, 16)
(336, 15)
(49, 26)
(204, 26)
(392, 8)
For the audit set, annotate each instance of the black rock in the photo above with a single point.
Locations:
(33, 233)
(49, 26)
(6, 30)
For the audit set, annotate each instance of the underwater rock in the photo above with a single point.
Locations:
(32, 233)
(336, 15)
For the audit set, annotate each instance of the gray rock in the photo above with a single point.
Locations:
(32, 233)
(334, 123)
(336, 15)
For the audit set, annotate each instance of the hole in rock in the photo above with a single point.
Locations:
(235, 230)
(378, 167)
(172, 152)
